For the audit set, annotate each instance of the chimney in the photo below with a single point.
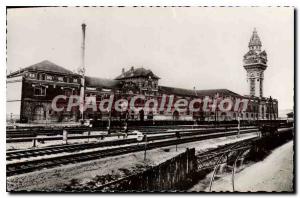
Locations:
(82, 72)
(83, 26)
(132, 68)
(123, 71)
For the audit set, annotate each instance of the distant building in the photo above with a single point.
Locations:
(290, 115)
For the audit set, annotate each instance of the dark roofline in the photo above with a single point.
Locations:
(97, 82)
(20, 72)
(191, 92)
(28, 68)
(121, 77)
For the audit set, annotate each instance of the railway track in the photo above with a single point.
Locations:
(18, 154)
(20, 167)
(54, 138)
(238, 152)
(239, 148)
(215, 153)
(21, 133)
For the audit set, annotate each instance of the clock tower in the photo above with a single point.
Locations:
(255, 63)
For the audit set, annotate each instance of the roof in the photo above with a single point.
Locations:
(263, 53)
(254, 40)
(250, 53)
(290, 115)
(138, 72)
(101, 82)
(45, 66)
(190, 92)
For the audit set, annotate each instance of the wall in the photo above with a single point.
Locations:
(170, 175)
(13, 98)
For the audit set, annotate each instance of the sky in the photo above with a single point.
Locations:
(186, 47)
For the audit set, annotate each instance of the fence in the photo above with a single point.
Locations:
(173, 174)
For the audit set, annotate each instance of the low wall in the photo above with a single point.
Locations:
(172, 174)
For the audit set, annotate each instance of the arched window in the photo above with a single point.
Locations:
(39, 113)
(223, 115)
(234, 115)
(175, 115)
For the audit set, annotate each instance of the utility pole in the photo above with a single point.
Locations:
(145, 152)
(82, 72)
(110, 116)
(239, 123)
(216, 107)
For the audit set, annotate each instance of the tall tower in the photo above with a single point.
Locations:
(255, 63)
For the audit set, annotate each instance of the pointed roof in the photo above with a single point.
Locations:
(250, 53)
(138, 72)
(263, 53)
(45, 66)
(254, 40)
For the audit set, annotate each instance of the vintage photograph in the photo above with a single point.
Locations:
(150, 99)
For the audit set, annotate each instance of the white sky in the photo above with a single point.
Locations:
(186, 47)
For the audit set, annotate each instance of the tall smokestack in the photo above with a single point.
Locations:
(82, 71)
(83, 26)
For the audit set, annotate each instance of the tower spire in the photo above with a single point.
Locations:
(255, 62)
(254, 43)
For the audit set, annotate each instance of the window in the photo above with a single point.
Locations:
(68, 92)
(48, 77)
(40, 91)
(60, 78)
(32, 75)
(75, 80)
(41, 76)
